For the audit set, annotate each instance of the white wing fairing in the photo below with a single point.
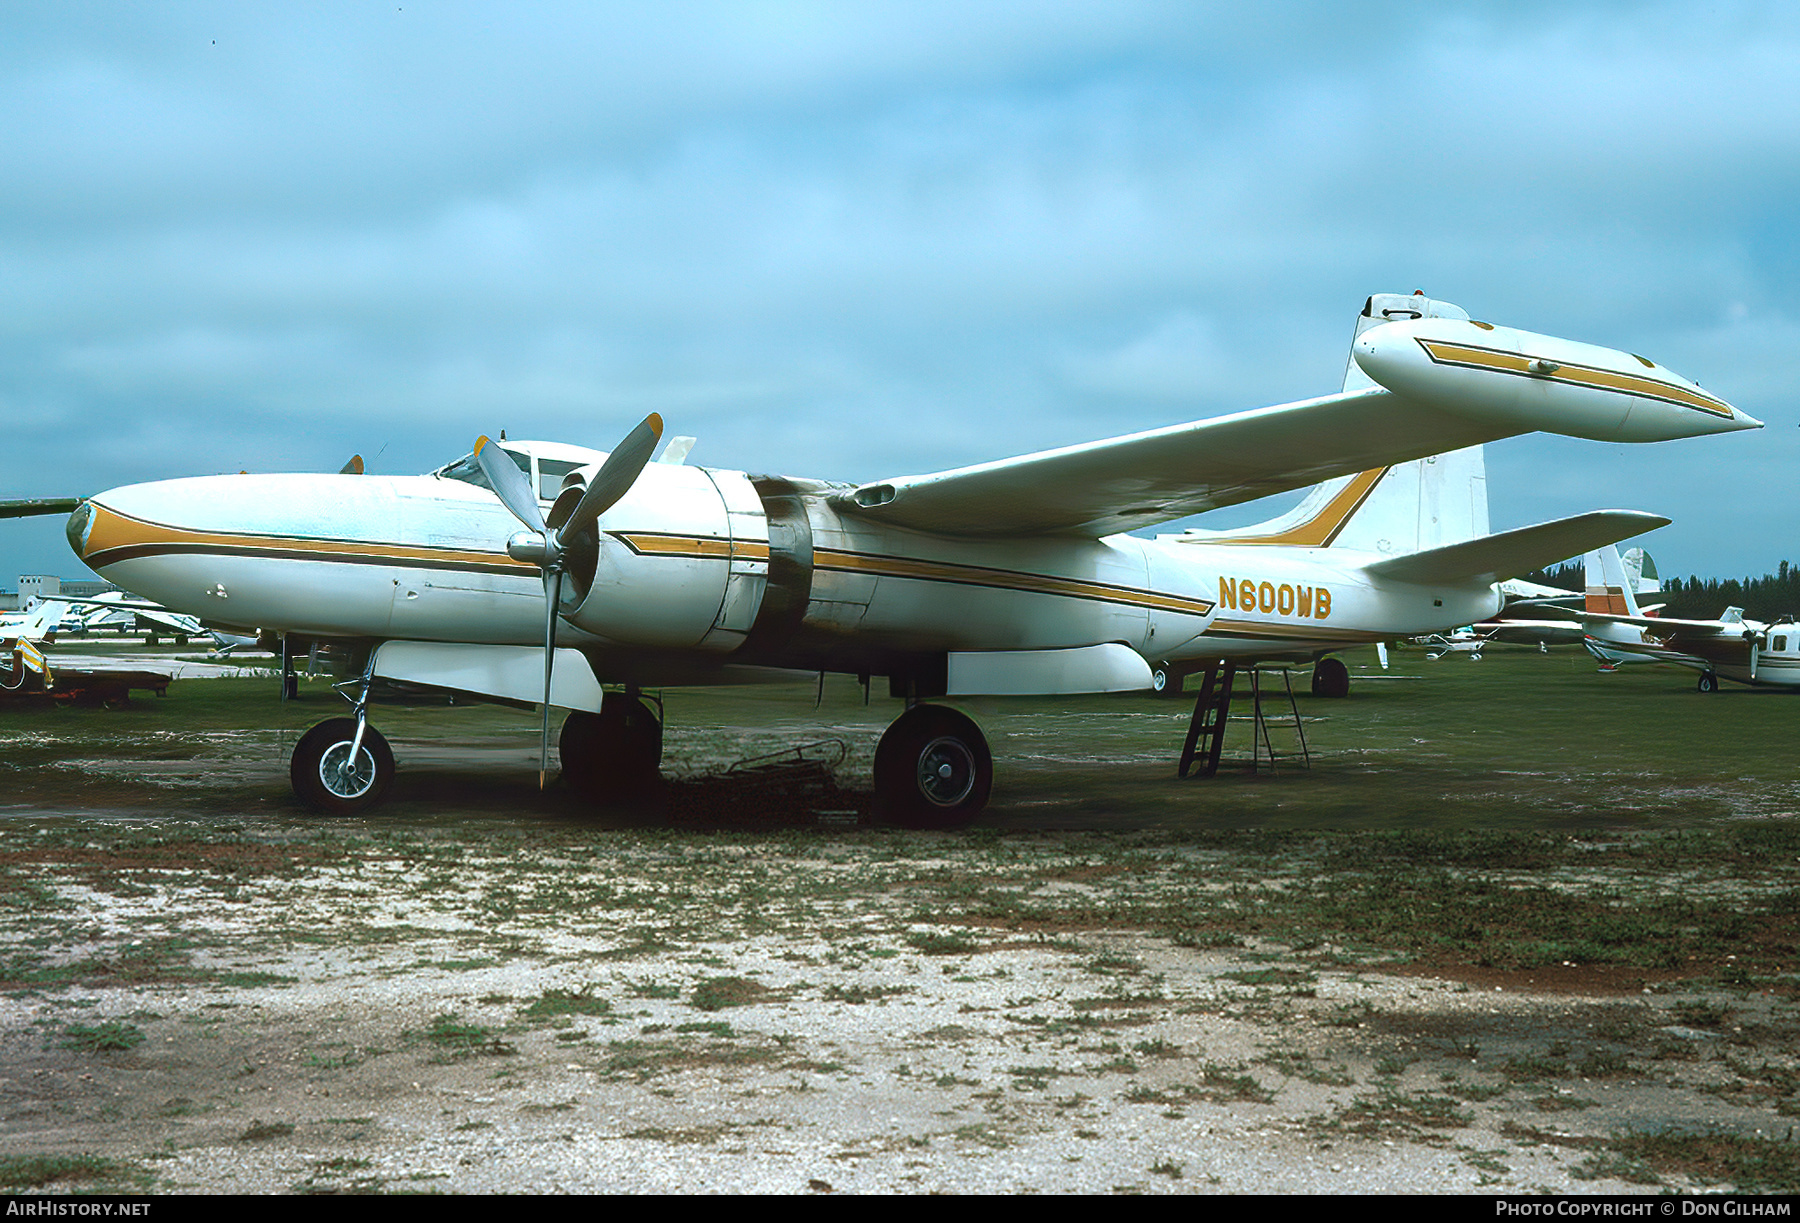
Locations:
(1005, 577)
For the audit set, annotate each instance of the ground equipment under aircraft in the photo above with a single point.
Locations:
(1008, 577)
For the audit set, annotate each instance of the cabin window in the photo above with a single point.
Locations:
(1779, 645)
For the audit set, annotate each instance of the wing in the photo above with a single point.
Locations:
(32, 506)
(1682, 630)
(1102, 488)
(1492, 558)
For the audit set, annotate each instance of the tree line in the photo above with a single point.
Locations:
(1773, 596)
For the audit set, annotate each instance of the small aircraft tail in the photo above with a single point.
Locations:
(40, 625)
(1640, 572)
(1409, 507)
(1610, 590)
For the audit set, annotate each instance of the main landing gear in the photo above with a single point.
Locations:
(614, 754)
(1709, 681)
(932, 769)
(1330, 678)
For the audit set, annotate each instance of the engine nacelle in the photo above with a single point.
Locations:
(680, 562)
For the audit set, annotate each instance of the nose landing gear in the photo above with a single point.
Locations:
(341, 766)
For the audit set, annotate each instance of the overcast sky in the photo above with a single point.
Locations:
(856, 240)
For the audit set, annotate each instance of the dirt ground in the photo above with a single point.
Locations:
(216, 992)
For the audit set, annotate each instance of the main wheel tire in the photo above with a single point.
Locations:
(327, 780)
(1709, 682)
(1164, 682)
(613, 754)
(932, 769)
(1331, 678)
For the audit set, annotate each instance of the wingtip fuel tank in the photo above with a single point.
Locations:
(1528, 381)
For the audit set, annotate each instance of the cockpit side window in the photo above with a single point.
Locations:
(550, 476)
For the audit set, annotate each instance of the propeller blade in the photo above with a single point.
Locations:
(552, 597)
(353, 468)
(616, 475)
(511, 485)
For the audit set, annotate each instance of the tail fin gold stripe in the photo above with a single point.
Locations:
(1324, 527)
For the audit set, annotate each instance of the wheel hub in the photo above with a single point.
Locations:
(344, 778)
(946, 771)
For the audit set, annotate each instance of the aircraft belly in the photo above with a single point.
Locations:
(305, 596)
(497, 611)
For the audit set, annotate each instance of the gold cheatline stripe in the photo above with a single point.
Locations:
(1291, 632)
(1003, 579)
(658, 544)
(1475, 357)
(114, 536)
(1322, 528)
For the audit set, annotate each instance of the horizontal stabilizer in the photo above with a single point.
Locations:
(1495, 558)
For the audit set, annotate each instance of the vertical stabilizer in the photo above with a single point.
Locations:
(1609, 590)
(1640, 572)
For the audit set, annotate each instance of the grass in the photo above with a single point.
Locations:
(721, 993)
(36, 1171)
(455, 1038)
(110, 1036)
(554, 1004)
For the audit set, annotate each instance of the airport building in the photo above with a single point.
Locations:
(34, 586)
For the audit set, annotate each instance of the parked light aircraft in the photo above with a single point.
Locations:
(1516, 626)
(1619, 631)
(1008, 577)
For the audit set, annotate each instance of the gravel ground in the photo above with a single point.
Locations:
(648, 1012)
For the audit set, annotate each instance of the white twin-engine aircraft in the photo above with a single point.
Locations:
(1620, 631)
(1011, 577)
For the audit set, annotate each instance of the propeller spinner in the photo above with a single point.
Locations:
(542, 545)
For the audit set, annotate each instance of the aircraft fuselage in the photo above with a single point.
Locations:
(718, 565)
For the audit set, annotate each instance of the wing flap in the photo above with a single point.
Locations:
(1495, 558)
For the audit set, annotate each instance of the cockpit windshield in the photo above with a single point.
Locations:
(469, 471)
(550, 472)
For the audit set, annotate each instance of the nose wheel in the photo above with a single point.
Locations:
(333, 773)
(932, 769)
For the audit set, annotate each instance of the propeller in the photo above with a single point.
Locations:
(544, 545)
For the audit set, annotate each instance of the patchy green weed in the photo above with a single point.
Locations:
(110, 1036)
